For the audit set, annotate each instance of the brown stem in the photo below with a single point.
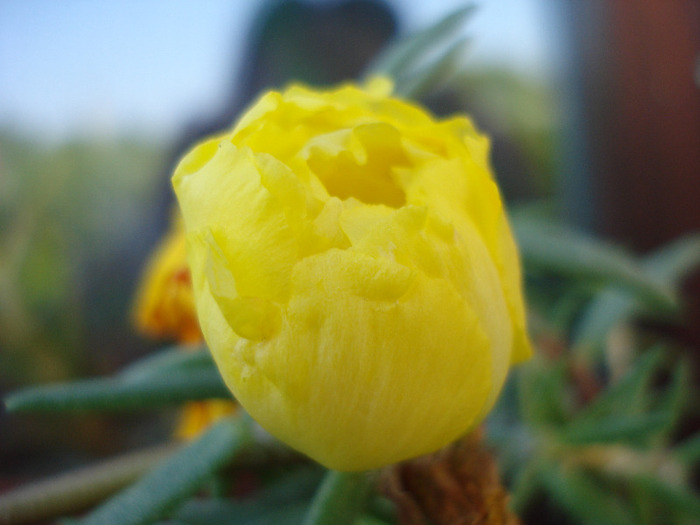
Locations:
(458, 485)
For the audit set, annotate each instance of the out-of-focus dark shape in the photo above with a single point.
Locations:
(632, 173)
(638, 107)
(318, 43)
(313, 42)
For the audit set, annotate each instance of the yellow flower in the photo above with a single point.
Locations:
(165, 309)
(354, 272)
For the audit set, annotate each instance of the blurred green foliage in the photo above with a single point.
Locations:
(591, 430)
(594, 429)
(65, 212)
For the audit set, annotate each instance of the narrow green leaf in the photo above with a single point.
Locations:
(567, 305)
(621, 412)
(400, 56)
(219, 512)
(225, 512)
(341, 499)
(628, 394)
(676, 394)
(586, 498)
(216, 512)
(170, 360)
(608, 309)
(435, 73)
(298, 485)
(545, 246)
(161, 491)
(74, 491)
(526, 485)
(382, 508)
(673, 262)
(290, 515)
(370, 520)
(636, 429)
(671, 498)
(615, 305)
(688, 451)
(543, 393)
(114, 394)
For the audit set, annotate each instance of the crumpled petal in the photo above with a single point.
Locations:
(354, 272)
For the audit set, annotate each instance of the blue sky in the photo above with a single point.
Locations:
(107, 67)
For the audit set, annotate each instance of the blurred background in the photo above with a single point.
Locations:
(593, 108)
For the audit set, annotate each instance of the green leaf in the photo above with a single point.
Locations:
(543, 393)
(161, 491)
(224, 512)
(615, 305)
(629, 394)
(341, 499)
(435, 73)
(548, 247)
(216, 512)
(77, 490)
(527, 483)
(585, 498)
(567, 305)
(630, 410)
(671, 498)
(116, 394)
(636, 429)
(619, 413)
(608, 309)
(300, 483)
(174, 359)
(400, 57)
(676, 394)
(688, 451)
(370, 520)
(673, 262)
(382, 508)
(290, 515)
(290, 488)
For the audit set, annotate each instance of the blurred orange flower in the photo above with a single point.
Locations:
(164, 306)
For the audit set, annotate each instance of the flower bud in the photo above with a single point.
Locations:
(164, 306)
(354, 272)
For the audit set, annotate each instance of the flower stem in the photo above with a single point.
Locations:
(340, 499)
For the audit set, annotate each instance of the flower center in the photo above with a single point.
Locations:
(359, 163)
